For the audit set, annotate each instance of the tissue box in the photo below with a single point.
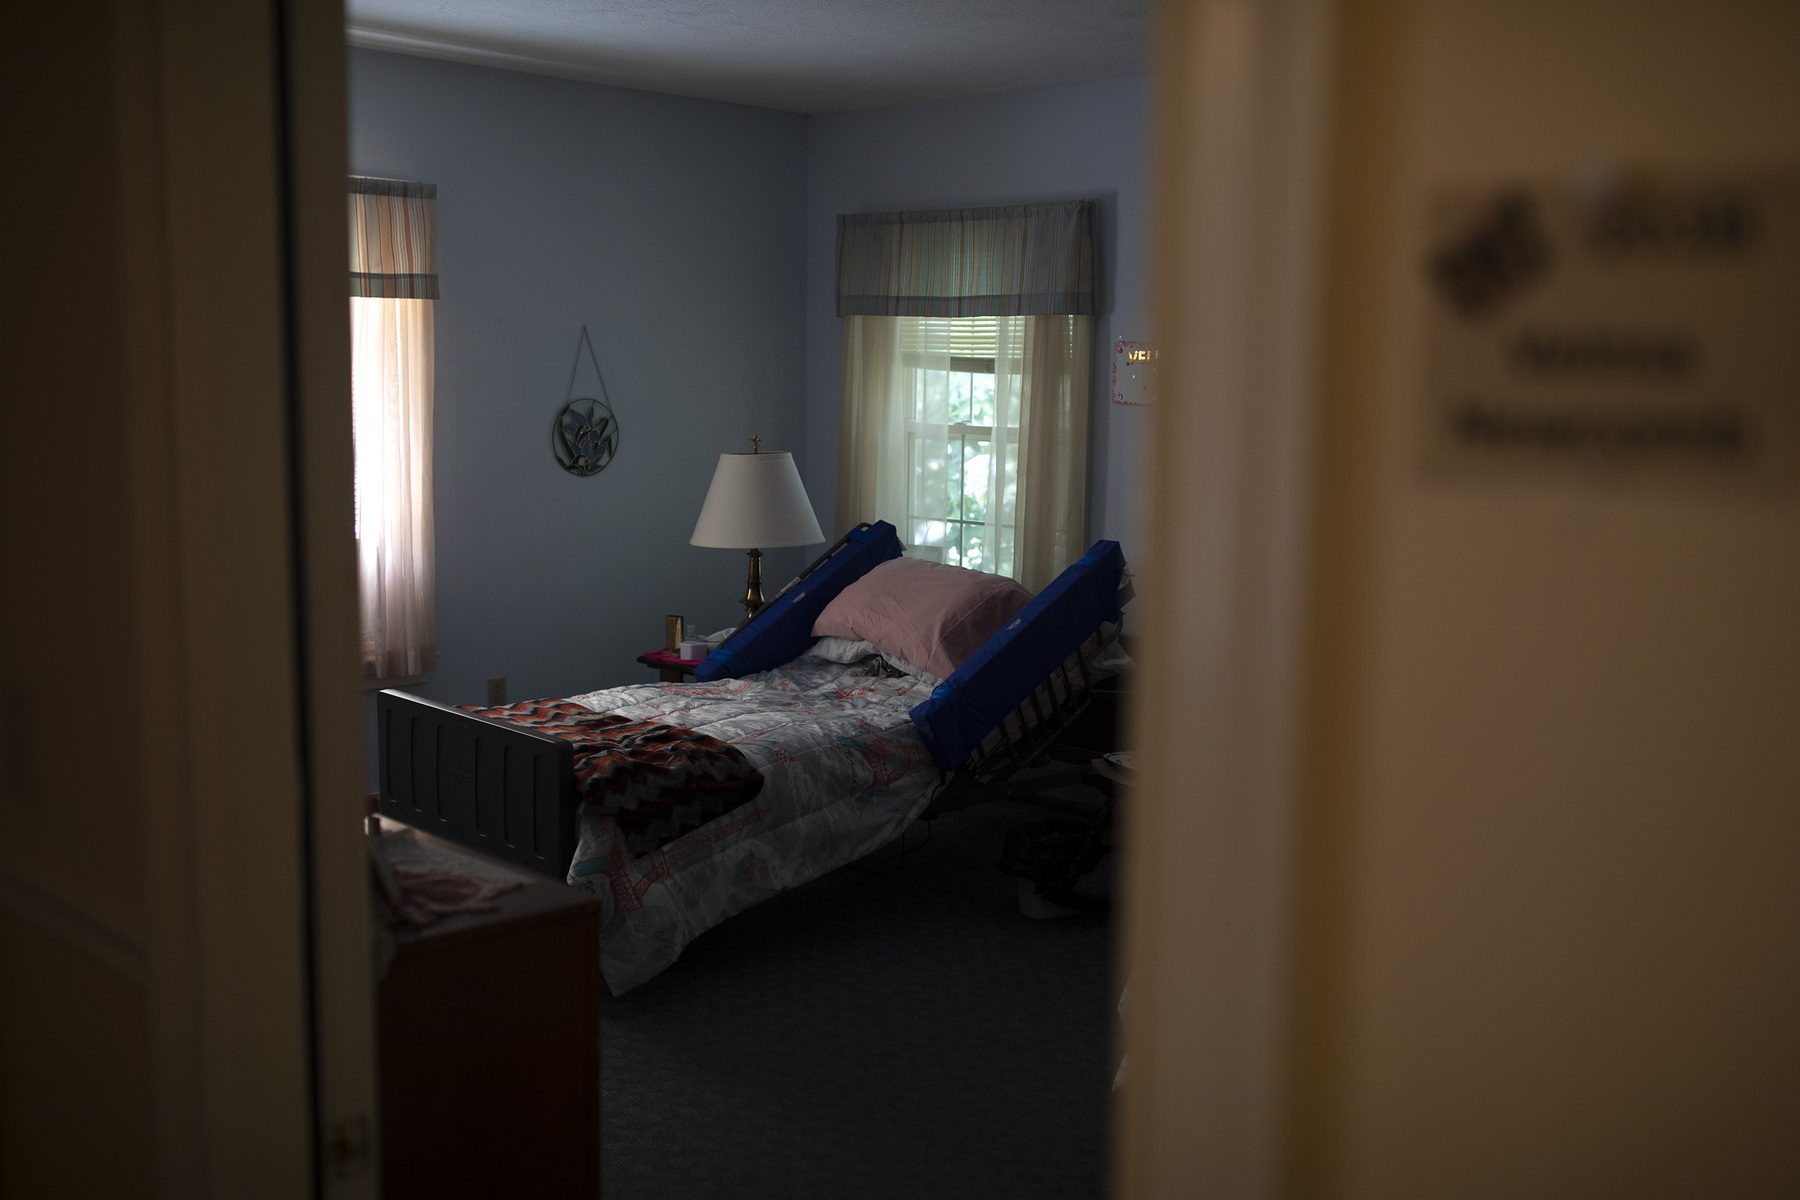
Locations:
(694, 648)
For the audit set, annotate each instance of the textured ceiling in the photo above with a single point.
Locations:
(806, 56)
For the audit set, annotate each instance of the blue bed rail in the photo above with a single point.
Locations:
(1006, 672)
(1011, 665)
(782, 631)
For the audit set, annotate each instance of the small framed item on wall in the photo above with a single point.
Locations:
(585, 434)
(1133, 372)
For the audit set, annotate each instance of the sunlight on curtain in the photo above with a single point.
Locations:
(970, 434)
(872, 483)
(391, 380)
(1052, 512)
(966, 372)
(393, 289)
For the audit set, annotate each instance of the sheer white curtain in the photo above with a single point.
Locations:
(872, 483)
(977, 469)
(391, 382)
(393, 289)
(1051, 528)
(967, 352)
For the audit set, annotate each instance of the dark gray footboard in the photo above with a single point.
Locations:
(486, 784)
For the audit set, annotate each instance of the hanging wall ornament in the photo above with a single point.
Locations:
(586, 433)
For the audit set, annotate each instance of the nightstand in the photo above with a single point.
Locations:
(489, 1026)
(670, 668)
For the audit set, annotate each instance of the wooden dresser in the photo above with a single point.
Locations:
(489, 1028)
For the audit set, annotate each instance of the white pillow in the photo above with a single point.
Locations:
(841, 650)
(850, 650)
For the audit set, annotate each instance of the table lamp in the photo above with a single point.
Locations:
(756, 502)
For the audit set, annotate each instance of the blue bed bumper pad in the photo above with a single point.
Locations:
(1012, 663)
(782, 631)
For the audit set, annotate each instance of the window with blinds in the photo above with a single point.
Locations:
(938, 307)
(963, 438)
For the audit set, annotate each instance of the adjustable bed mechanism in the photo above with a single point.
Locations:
(1012, 759)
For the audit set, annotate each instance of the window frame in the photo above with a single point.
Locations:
(1003, 439)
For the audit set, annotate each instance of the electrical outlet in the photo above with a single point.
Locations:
(497, 692)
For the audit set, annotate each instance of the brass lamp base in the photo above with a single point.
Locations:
(753, 593)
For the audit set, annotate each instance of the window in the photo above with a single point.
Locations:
(967, 351)
(393, 290)
(962, 441)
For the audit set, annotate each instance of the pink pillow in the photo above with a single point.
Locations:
(924, 613)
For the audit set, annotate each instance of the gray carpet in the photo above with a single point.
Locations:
(906, 1034)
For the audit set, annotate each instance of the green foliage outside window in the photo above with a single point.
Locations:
(953, 472)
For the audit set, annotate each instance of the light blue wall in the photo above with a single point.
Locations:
(1082, 142)
(673, 229)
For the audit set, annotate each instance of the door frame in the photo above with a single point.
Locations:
(261, 1001)
(1242, 93)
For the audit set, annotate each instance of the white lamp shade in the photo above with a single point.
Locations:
(756, 502)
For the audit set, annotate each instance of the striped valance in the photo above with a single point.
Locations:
(393, 246)
(1009, 260)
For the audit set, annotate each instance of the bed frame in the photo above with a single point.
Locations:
(510, 792)
(1009, 760)
(494, 786)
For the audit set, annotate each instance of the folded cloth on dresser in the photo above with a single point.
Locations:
(657, 781)
(427, 881)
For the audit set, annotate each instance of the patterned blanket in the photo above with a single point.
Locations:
(844, 773)
(658, 781)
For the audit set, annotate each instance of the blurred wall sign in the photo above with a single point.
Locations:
(1133, 372)
(1643, 326)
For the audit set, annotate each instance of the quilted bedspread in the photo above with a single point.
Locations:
(843, 773)
(657, 781)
